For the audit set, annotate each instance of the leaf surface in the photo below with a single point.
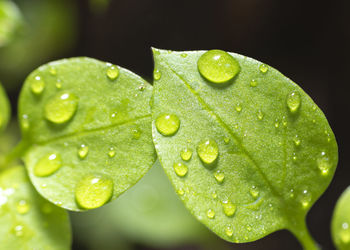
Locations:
(4, 109)
(251, 152)
(341, 222)
(87, 126)
(27, 221)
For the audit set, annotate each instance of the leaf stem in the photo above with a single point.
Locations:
(302, 233)
(17, 152)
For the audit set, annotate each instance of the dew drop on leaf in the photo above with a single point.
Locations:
(253, 83)
(217, 66)
(48, 164)
(37, 85)
(157, 75)
(83, 151)
(229, 231)
(211, 214)
(263, 68)
(112, 72)
(53, 71)
(93, 191)
(323, 164)
(293, 101)
(296, 140)
(254, 192)
(208, 151)
(260, 115)
(167, 124)
(61, 108)
(305, 199)
(180, 169)
(18, 230)
(238, 108)
(22, 207)
(345, 233)
(111, 152)
(186, 154)
(180, 191)
(229, 208)
(184, 55)
(219, 176)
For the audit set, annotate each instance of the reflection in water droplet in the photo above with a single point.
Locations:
(61, 108)
(22, 207)
(263, 68)
(208, 151)
(167, 124)
(83, 151)
(219, 176)
(111, 152)
(37, 85)
(93, 191)
(186, 154)
(157, 74)
(323, 164)
(48, 164)
(211, 214)
(253, 83)
(293, 101)
(217, 66)
(229, 231)
(112, 72)
(254, 192)
(229, 208)
(180, 169)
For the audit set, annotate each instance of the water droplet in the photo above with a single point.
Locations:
(253, 83)
(345, 233)
(323, 164)
(111, 152)
(136, 133)
(83, 151)
(61, 108)
(294, 157)
(214, 195)
(186, 154)
(238, 108)
(157, 74)
(219, 176)
(183, 55)
(229, 208)
(53, 71)
(260, 115)
(167, 124)
(58, 84)
(263, 68)
(249, 228)
(226, 140)
(254, 192)
(293, 101)
(277, 124)
(208, 151)
(22, 207)
(142, 87)
(25, 122)
(217, 66)
(37, 85)
(211, 214)
(112, 72)
(291, 193)
(229, 231)
(180, 191)
(305, 199)
(180, 169)
(93, 191)
(296, 140)
(48, 165)
(18, 230)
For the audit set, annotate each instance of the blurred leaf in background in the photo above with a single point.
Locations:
(98, 6)
(150, 214)
(49, 29)
(10, 20)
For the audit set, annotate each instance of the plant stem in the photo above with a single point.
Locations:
(16, 153)
(302, 234)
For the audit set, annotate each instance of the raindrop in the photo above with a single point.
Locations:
(53, 71)
(323, 164)
(22, 207)
(48, 165)
(211, 214)
(61, 108)
(208, 151)
(238, 108)
(37, 85)
(229, 208)
(254, 192)
(218, 66)
(112, 72)
(157, 74)
(260, 115)
(93, 191)
(111, 152)
(136, 133)
(305, 198)
(293, 101)
(229, 231)
(183, 55)
(345, 233)
(180, 169)
(19, 230)
(167, 124)
(219, 176)
(226, 140)
(253, 83)
(180, 192)
(83, 151)
(186, 154)
(263, 68)
(297, 140)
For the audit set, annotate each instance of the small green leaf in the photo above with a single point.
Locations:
(10, 19)
(341, 222)
(4, 109)
(27, 221)
(88, 126)
(263, 152)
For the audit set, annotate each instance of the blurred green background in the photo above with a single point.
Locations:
(309, 41)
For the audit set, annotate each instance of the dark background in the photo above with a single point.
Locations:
(308, 41)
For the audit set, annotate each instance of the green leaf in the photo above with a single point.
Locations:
(251, 151)
(341, 222)
(27, 221)
(87, 125)
(10, 20)
(4, 109)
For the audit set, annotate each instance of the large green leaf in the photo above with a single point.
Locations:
(341, 222)
(27, 221)
(87, 127)
(10, 19)
(248, 150)
(4, 109)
